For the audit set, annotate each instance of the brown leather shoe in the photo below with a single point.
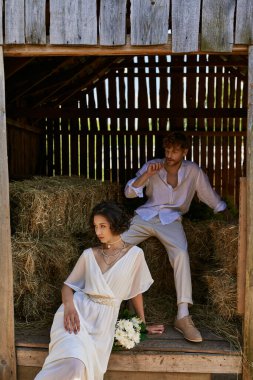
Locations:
(186, 327)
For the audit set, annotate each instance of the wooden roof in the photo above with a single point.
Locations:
(37, 85)
(182, 26)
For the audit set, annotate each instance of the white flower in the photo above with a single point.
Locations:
(128, 332)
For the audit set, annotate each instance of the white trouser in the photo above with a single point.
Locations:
(172, 236)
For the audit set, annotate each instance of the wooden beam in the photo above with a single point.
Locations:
(41, 112)
(128, 49)
(248, 325)
(149, 362)
(242, 246)
(7, 346)
(23, 126)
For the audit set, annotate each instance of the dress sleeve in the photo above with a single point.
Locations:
(76, 279)
(141, 277)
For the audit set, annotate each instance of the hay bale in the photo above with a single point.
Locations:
(40, 266)
(225, 245)
(159, 266)
(222, 293)
(54, 206)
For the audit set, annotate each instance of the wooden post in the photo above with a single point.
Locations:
(242, 247)
(248, 325)
(7, 342)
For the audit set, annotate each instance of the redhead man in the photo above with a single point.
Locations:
(171, 184)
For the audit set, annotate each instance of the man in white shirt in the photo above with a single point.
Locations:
(171, 184)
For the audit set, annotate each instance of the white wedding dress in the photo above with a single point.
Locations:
(97, 297)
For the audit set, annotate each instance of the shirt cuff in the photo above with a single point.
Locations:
(138, 190)
(221, 206)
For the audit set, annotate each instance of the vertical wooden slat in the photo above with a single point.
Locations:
(244, 126)
(201, 105)
(177, 94)
(7, 344)
(231, 140)
(131, 120)
(83, 139)
(65, 146)
(142, 105)
(114, 140)
(112, 22)
(248, 325)
(217, 32)
(121, 137)
(74, 131)
(153, 104)
(149, 22)
(185, 25)
(210, 104)
(35, 21)
(225, 170)
(50, 149)
(1, 21)
(73, 22)
(92, 138)
(101, 95)
(242, 246)
(163, 103)
(218, 139)
(238, 144)
(57, 147)
(244, 22)
(14, 22)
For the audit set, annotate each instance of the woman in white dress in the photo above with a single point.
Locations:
(82, 332)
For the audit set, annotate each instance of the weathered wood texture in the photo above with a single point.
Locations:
(149, 22)
(185, 17)
(248, 325)
(244, 22)
(35, 21)
(242, 247)
(73, 22)
(112, 22)
(1, 21)
(7, 345)
(14, 21)
(217, 25)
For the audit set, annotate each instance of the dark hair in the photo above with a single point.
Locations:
(115, 214)
(176, 139)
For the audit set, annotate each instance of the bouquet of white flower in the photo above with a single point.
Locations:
(129, 332)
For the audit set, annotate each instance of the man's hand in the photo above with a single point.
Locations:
(71, 319)
(155, 329)
(154, 168)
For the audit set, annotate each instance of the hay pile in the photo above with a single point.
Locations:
(55, 206)
(50, 225)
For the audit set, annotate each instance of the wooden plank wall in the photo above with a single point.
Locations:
(248, 325)
(7, 344)
(130, 111)
(208, 28)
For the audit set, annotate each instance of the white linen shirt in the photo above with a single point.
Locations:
(171, 203)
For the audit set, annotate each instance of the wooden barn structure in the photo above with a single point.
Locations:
(89, 88)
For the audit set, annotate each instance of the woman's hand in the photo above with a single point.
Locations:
(155, 329)
(71, 318)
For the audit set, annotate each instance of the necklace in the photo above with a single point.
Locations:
(114, 242)
(115, 255)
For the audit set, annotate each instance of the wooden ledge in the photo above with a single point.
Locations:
(150, 361)
(166, 353)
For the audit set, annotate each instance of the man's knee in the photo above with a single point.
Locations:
(178, 255)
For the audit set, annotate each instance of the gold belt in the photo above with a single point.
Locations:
(102, 300)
